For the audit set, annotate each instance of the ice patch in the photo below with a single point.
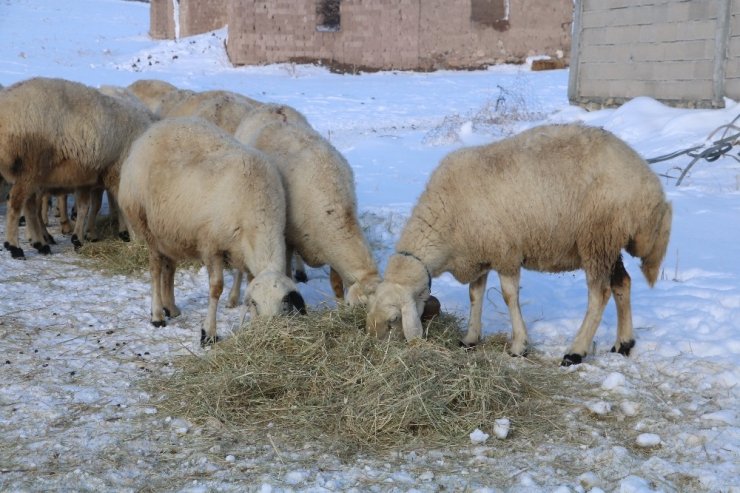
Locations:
(600, 408)
(726, 416)
(613, 381)
(501, 428)
(647, 440)
(477, 436)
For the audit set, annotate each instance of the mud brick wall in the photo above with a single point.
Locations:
(377, 34)
(196, 17)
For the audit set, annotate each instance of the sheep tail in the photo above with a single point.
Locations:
(651, 243)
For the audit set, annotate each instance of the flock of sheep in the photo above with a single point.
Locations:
(242, 184)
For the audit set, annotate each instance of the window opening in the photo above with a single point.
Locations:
(490, 13)
(328, 15)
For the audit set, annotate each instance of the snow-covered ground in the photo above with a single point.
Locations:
(77, 345)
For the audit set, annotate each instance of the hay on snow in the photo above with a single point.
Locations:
(321, 375)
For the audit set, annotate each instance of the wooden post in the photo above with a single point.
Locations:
(575, 48)
(721, 39)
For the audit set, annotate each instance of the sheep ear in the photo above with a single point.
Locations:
(295, 300)
(411, 321)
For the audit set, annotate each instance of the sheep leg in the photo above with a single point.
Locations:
(18, 195)
(477, 291)
(155, 271)
(300, 269)
(510, 292)
(45, 203)
(598, 296)
(47, 238)
(235, 292)
(96, 203)
(64, 221)
(337, 285)
(621, 284)
(168, 287)
(215, 267)
(82, 200)
(37, 233)
(123, 233)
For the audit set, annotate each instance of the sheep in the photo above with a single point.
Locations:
(190, 190)
(60, 135)
(153, 92)
(322, 225)
(222, 108)
(554, 198)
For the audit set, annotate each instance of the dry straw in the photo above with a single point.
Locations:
(116, 257)
(321, 376)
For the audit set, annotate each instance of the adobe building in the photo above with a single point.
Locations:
(353, 35)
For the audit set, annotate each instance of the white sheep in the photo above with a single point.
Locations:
(153, 92)
(190, 190)
(222, 108)
(554, 198)
(322, 225)
(60, 135)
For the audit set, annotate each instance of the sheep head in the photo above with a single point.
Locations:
(395, 308)
(361, 291)
(272, 294)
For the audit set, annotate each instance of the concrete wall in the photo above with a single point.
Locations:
(678, 51)
(381, 34)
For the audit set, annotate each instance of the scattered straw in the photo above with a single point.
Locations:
(321, 376)
(114, 256)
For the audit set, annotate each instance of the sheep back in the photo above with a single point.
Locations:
(153, 92)
(222, 108)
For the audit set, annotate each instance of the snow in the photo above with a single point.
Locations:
(648, 440)
(78, 347)
(478, 436)
(501, 428)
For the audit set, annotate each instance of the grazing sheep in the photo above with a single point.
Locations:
(322, 225)
(152, 92)
(222, 108)
(192, 191)
(555, 198)
(60, 135)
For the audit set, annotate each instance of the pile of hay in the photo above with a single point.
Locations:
(321, 376)
(113, 256)
(117, 257)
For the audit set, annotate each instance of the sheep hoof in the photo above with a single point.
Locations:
(159, 323)
(43, 249)
(171, 313)
(624, 347)
(206, 340)
(523, 354)
(571, 359)
(76, 243)
(466, 346)
(22, 221)
(300, 276)
(124, 236)
(15, 252)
